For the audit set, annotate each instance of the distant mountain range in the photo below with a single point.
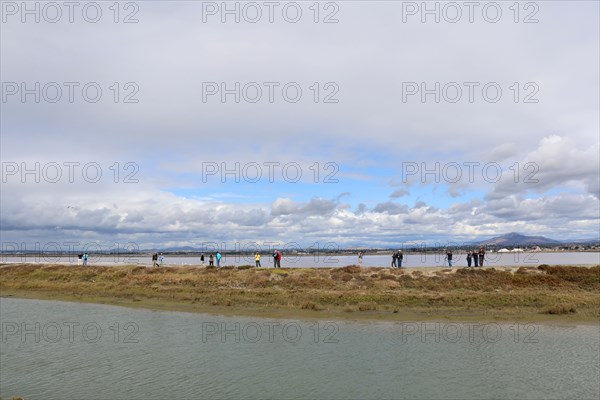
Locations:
(512, 239)
(516, 239)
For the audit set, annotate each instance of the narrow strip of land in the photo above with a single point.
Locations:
(544, 293)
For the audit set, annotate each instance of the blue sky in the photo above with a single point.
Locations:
(162, 122)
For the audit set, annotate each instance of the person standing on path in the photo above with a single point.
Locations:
(218, 257)
(449, 257)
(469, 257)
(211, 260)
(475, 259)
(360, 257)
(481, 256)
(155, 260)
(394, 256)
(276, 259)
(400, 258)
(202, 259)
(257, 259)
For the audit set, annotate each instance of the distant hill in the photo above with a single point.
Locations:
(588, 242)
(181, 248)
(514, 239)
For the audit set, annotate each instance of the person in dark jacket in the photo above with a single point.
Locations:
(481, 256)
(449, 257)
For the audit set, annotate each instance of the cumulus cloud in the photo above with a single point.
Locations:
(155, 218)
(557, 162)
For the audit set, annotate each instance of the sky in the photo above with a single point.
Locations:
(155, 124)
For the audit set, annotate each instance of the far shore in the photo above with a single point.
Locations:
(545, 294)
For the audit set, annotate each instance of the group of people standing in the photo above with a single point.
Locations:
(157, 259)
(397, 258)
(211, 259)
(218, 256)
(475, 257)
(82, 258)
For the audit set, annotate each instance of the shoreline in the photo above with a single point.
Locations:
(524, 259)
(551, 295)
(435, 268)
(406, 316)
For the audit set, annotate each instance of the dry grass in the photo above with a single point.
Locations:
(549, 290)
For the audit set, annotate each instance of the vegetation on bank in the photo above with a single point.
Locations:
(505, 293)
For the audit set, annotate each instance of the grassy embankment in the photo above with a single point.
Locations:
(548, 293)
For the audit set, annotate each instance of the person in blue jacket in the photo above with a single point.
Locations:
(218, 257)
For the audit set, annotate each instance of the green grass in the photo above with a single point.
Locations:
(564, 291)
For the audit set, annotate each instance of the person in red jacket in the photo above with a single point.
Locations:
(276, 259)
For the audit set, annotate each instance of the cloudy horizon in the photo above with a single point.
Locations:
(368, 127)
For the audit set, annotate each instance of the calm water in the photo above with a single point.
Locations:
(410, 260)
(81, 351)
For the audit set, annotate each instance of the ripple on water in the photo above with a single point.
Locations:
(370, 360)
